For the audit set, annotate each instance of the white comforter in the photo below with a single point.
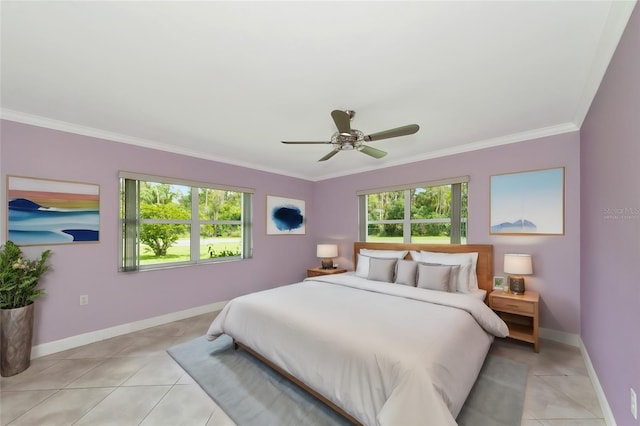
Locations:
(387, 354)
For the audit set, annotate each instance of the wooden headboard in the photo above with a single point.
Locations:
(484, 268)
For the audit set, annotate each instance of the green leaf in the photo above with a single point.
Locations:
(18, 286)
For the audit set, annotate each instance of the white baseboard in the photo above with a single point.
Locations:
(602, 399)
(560, 336)
(107, 333)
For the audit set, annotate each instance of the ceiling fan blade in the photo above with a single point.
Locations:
(303, 142)
(342, 120)
(329, 155)
(393, 133)
(374, 152)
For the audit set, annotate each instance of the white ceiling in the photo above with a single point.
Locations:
(229, 80)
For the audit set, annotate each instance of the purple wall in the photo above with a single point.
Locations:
(556, 259)
(610, 226)
(119, 298)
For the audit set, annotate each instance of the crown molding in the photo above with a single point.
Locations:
(64, 126)
(612, 30)
(35, 120)
(473, 146)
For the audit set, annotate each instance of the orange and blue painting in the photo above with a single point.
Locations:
(42, 211)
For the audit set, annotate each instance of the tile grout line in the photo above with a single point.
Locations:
(156, 404)
(570, 397)
(95, 405)
(103, 360)
(38, 404)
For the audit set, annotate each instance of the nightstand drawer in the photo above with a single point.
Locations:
(512, 305)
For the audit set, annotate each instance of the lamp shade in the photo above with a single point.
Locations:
(517, 264)
(327, 250)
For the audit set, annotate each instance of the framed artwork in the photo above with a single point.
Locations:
(285, 216)
(528, 203)
(498, 283)
(42, 211)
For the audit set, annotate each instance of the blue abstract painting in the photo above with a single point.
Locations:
(42, 211)
(285, 216)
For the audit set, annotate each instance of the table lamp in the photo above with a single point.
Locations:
(327, 252)
(517, 265)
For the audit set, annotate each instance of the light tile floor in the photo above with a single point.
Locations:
(131, 380)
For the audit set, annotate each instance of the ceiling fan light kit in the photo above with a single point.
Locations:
(347, 139)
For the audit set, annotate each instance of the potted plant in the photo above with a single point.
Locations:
(19, 278)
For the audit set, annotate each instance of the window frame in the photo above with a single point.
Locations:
(456, 218)
(130, 222)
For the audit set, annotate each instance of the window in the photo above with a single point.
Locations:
(167, 222)
(430, 212)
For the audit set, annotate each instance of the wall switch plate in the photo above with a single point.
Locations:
(84, 300)
(634, 404)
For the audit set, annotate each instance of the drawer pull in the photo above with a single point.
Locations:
(511, 305)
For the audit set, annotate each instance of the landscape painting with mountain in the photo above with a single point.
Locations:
(528, 203)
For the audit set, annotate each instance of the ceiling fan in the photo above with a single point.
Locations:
(347, 138)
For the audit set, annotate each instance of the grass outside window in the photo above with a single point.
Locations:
(181, 252)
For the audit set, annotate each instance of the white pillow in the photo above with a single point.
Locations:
(362, 270)
(467, 279)
(385, 254)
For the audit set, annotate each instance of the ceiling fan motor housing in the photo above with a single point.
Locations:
(347, 141)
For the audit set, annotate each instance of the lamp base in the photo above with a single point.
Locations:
(327, 263)
(516, 284)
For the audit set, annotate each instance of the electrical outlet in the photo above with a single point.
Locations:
(634, 404)
(84, 300)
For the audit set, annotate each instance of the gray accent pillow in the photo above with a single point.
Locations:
(381, 269)
(434, 277)
(406, 271)
(453, 280)
(453, 277)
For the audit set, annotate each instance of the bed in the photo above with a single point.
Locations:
(377, 352)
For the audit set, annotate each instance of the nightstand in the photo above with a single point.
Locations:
(520, 312)
(316, 272)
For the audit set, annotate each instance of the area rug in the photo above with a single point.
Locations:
(251, 393)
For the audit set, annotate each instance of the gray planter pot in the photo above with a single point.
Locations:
(16, 331)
